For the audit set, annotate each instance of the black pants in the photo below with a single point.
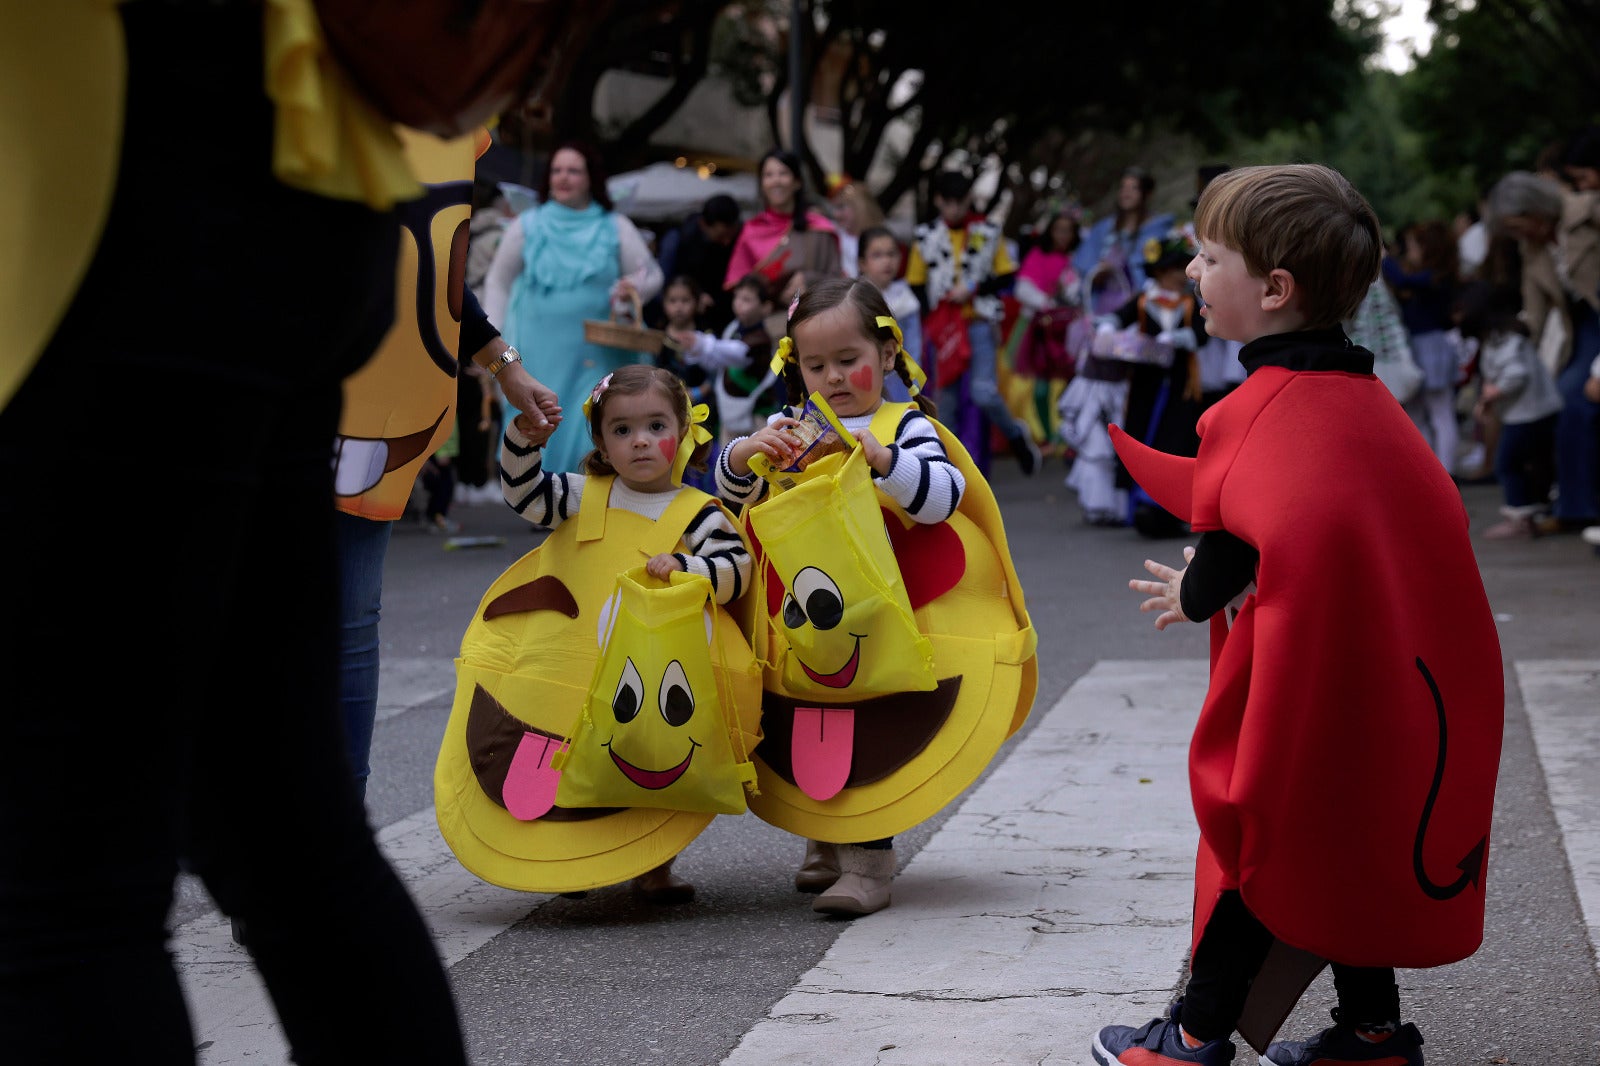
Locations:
(171, 671)
(1230, 954)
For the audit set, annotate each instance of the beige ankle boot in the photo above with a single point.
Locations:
(819, 869)
(863, 885)
(661, 886)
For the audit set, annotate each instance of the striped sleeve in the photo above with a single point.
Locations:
(733, 488)
(716, 551)
(543, 499)
(922, 479)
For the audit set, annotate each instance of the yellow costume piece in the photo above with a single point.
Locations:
(913, 752)
(526, 665)
(845, 628)
(399, 408)
(62, 77)
(326, 138)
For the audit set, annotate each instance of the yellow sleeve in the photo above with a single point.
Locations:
(1003, 263)
(916, 269)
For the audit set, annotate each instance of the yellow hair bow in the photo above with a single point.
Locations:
(784, 353)
(698, 434)
(918, 377)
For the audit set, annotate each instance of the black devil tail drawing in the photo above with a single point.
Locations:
(1471, 866)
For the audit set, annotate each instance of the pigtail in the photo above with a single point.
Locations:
(794, 384)
(923, 401)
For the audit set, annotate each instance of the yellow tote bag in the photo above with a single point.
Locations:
(658, 728)
(846, 627)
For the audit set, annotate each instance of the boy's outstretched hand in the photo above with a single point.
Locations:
(1164, 592)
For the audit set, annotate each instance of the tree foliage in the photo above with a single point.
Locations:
(1054, 94)
(1503, 80)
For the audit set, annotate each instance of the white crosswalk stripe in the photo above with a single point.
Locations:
(1057, 895)
(1563, 701)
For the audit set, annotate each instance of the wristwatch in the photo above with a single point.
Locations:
(503, 360)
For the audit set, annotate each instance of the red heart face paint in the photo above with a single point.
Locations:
(669, 448)
(861, 377)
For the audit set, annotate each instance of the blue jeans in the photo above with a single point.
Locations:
(983, 383)
(1578, 426)
(363, 543)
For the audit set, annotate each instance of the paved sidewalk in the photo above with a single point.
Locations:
(1057, 899)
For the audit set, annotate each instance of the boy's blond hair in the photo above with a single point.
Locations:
(1304, 218)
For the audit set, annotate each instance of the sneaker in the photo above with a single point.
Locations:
(1341, 1044)
(1510, 529)
(1027, 453)
(1158, 1042)
(1591, 535)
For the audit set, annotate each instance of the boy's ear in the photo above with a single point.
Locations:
(1279, 291)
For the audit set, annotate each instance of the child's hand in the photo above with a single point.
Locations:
(878, 457)
(770, 441)
(959, 294)
(1164, 593)
(1591, 390)
(537, 434)
(662, 566)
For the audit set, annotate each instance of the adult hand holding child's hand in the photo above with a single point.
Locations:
(536, 433)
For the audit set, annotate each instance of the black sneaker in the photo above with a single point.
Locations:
(1341, 1044)
(1027, 453)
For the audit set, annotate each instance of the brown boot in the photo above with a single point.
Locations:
(820, 867)
(660, 886)
(863, 885)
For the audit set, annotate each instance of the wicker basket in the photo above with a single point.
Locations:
(620, 333)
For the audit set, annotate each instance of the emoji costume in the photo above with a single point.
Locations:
(1343, 764)
(524, 675)
(895, 758)
(400, 407)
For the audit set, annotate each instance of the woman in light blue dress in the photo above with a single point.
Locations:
(564, 261)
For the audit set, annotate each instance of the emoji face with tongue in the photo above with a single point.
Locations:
(530, 667)
(847, 759)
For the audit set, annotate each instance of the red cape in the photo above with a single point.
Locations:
(1343, 765)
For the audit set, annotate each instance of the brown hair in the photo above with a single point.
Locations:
(863, 296)
(636, 379)
(591, 162)
(1304, 218)
(1439, 253)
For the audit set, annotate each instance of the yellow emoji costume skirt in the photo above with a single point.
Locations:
(863, 764)
(528, 662)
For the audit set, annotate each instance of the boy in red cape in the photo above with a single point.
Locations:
(1343, 765)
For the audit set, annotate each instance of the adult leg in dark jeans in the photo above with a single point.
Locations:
(173, 687)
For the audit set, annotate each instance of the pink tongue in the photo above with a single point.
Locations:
(820, 749)
(530, 788)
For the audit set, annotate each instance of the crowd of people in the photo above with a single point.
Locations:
(1483, 326)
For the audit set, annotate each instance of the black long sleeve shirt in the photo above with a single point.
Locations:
(1224, 565)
